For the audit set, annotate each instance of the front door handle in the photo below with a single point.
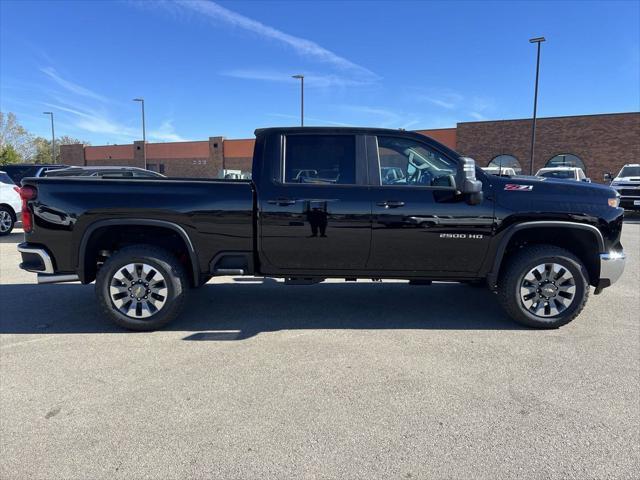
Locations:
(282, 202)
(391, 204)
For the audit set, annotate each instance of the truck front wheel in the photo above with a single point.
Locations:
(543, 286)
(141, 287)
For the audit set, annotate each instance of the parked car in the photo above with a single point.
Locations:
(627, 184)
(502, 171)
(539, 243)
(102, 171)
(10, 204)
(18, 171)
(566, 173)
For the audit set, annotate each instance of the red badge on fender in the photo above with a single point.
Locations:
(514, 187)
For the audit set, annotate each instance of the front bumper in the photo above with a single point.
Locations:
(611, 268)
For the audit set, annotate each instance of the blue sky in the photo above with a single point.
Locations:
(224, 68)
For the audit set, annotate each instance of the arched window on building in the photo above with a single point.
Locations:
(566, 160)
(506, 161)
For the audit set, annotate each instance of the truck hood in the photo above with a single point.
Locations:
(551, 189)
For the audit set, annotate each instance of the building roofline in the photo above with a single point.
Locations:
(550, 118)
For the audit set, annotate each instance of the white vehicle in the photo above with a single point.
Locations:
(627, 184)
(501, 171)
(10, 204)
(566, 173)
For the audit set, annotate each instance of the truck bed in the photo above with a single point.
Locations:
(216, 215)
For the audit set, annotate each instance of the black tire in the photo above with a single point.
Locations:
(8, 219)
(520, 264)
(171, 271)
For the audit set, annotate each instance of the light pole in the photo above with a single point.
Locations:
(301, 78)
(53, 139)
(537, 40)
(144, 132)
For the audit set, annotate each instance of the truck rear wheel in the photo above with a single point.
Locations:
(543, 286)
(141, 287)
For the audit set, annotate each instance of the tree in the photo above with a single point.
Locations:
(15, 135)
(8, 155)
(26, 146)
(42, 148)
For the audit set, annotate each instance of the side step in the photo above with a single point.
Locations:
(302, 280)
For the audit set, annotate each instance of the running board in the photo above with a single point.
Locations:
(46, 278)
(302, 281)
(228, 271)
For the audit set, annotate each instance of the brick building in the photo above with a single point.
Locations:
(598, 143)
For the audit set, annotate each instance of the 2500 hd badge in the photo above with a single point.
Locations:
(475, 236)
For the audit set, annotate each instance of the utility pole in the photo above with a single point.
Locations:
(537, 40)
(144, 132)
(301, 78)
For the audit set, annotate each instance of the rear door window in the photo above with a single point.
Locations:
(320, 159)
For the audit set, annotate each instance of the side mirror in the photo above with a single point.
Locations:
(588, 180)
(608, 177)
(471, 188)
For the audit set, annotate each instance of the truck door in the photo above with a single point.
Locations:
(419, 223)
(315, 214)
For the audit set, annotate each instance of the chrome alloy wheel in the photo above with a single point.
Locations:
(138, 290)
(5, 221)
(547, 290)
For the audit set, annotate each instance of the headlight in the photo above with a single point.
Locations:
(614, 184)
(614, 202)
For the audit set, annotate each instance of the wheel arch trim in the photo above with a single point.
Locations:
(137, 222)
(506, 236)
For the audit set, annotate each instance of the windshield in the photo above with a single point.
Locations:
(4, 178)
(629, 172)
(557, 174)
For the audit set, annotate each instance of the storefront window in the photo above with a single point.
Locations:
(566, 160)
(506, 161)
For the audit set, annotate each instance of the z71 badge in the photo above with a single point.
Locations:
(514, 187)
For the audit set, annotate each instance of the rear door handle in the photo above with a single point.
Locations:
(282, 202)
(391, 204)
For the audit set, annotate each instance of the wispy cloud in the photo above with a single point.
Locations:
(310, 79)
(381, 117)
(166, 133)
(96, 122)
(477, 116)
(70, 86)
(88, 111)
(302, 46)
(448, 100)
(474, 107)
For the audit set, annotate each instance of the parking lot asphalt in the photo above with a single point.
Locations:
(365, 380)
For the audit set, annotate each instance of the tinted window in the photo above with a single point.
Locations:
(18, 172)
(115, 173)
(407, 162)
(320, 159)
(558, 174)
(4, 178)
(629, 172)
(145, 174)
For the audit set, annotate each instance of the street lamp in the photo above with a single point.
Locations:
(537, 40)
(144, 132)
(53, 138)
(301, 78)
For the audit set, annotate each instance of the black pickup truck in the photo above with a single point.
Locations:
(353, 203)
